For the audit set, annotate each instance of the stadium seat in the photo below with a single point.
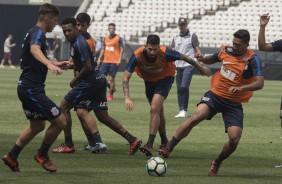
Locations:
(136, 18)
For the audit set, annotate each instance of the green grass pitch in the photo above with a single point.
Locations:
(253, 162)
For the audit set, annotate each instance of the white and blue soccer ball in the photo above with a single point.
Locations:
(156, 166)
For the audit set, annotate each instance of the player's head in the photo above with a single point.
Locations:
(82, 22)
(182, 24)
(152, 45)
(241, 41)
(49, 14)
(112, 28)
(69, 28)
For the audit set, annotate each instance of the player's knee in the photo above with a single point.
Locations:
(102, 118)
(233, 142)
(81, 113)
(39, 128)
(196, 118)
(181, 90)
(60, 122)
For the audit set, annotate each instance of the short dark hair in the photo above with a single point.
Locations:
(68, 20)
(83, 17)
(112, 24)
(47, 8)
(153, 39)
(243, 34)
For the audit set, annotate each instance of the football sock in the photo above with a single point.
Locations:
(151, 140)
(96, 137)
(129, 137)
(220, 158)
(14, 153)
(163, 136)
(112, 91)
(43, 150)
(90, 139)
(68, 141)
(173, 142)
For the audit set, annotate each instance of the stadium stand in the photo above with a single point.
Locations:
(214, 21)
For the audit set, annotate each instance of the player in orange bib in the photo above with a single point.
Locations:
(112, 51)
(155, 64)
(233, 84)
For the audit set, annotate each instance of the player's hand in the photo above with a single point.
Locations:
(199, 57)
(204, 70)
(264, 19)
(128, 104)
(64, 65)
(235, 89)
(54, 69)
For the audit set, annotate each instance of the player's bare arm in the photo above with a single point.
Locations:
(264, 19)
(120, 56)
(202, 69)
(35, 50)
(86, 69)
(62, 64)
(125, 84)
(256, 85)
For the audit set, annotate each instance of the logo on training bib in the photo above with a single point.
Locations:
(227, 73)
(112, 49)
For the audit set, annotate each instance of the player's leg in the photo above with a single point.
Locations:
(25, 137)
(68, 145)
(202, 112)
(10, 60)
(89, 125)
(3, 60)
(113, 68)
(105, 118)
(185, 85)
(155, 123)
(234, 135)
(156, 93)
(179, 77)
(162, 129)
(232, 114)
(53, 131)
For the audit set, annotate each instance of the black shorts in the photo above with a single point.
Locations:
(110, 69)
(36, 104)
(232, 112)
(89, 95)
(161, 87)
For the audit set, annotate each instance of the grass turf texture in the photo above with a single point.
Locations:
(253, 162)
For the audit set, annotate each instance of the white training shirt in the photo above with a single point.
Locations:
(185, 45)
(7, 45)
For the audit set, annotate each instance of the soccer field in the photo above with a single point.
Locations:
(253, 162)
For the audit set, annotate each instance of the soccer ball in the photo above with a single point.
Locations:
(156, 166)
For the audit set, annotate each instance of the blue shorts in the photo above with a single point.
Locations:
(36, 104)
(161, 87)
(109, 68)
(232, 112)
(90, 95)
